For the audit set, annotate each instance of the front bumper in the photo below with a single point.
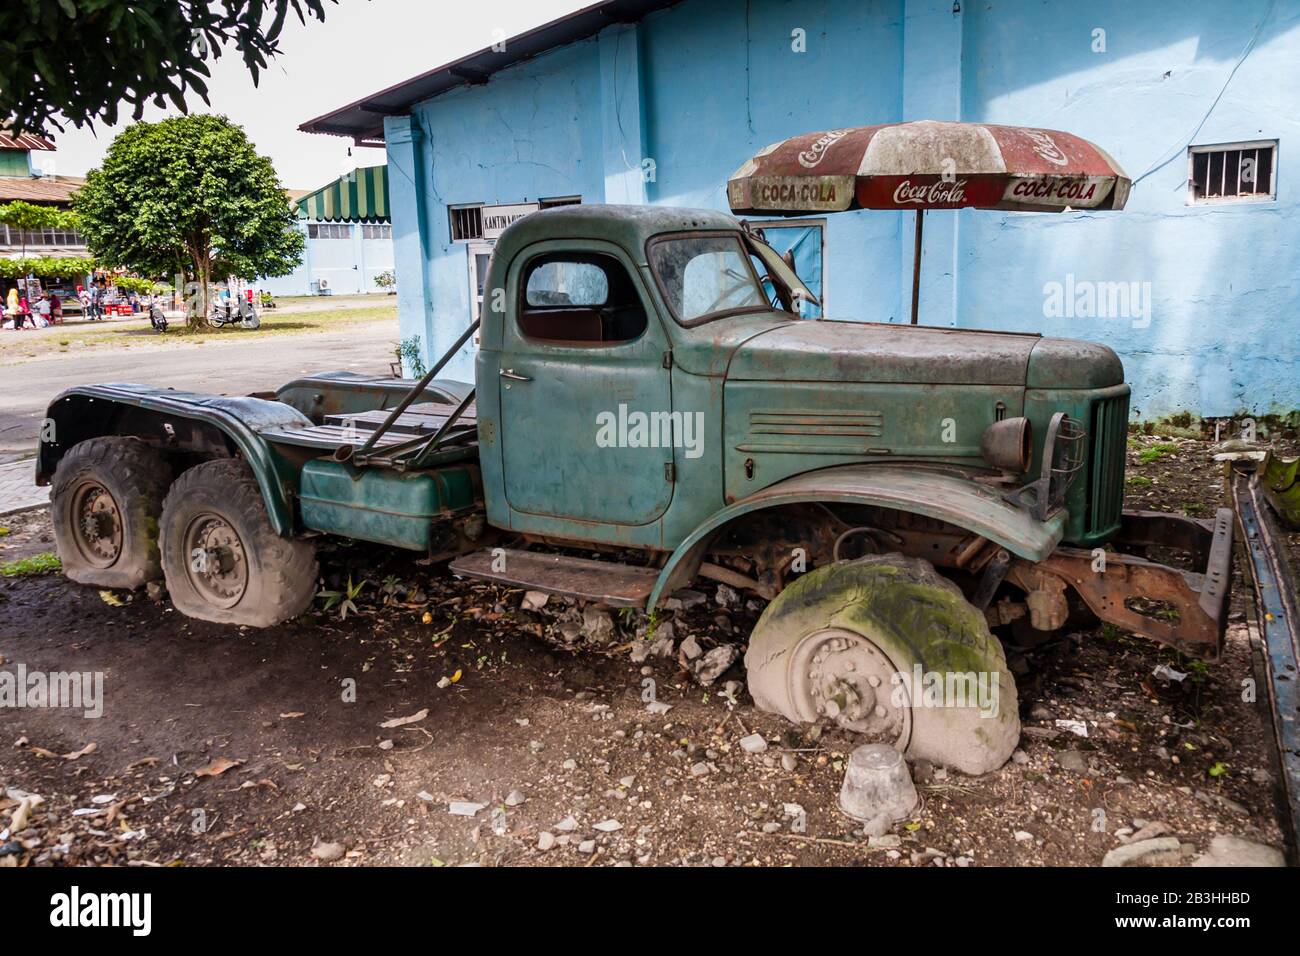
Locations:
(1186, 610)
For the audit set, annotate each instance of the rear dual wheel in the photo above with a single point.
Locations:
(886, 648)
(222, 559)
(105, 504)
(117, 525)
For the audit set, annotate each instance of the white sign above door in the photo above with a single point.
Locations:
(497, 218)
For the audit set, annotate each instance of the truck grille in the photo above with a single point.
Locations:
(1109, 433)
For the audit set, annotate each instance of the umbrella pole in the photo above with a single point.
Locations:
(916, 265)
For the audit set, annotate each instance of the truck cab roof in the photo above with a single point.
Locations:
(626, 226)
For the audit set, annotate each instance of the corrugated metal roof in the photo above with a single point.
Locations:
(57, 190)
(23, 141)
(363, 121)
(360, 196)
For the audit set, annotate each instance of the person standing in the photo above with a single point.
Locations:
(56, 308)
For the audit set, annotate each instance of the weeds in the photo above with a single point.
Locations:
(37, 564)
(1156, 452)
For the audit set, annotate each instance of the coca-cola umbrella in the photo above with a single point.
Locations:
(928, 165)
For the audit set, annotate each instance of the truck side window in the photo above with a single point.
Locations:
(580, 299)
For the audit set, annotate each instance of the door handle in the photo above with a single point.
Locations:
(510, 374)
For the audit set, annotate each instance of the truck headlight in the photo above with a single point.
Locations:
(1008, 445)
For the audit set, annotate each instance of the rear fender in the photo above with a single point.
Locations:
(946, 495)
(209, 426)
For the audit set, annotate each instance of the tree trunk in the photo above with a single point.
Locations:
(198, 321)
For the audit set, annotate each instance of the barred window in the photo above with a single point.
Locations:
(466, 223)
(1232, 172)
(376, 230)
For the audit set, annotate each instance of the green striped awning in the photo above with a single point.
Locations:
(360, 196)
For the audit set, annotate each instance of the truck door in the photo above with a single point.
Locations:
(585, 393)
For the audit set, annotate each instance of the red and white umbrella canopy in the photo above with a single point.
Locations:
(928, 165)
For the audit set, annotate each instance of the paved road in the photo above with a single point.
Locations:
(224, 368)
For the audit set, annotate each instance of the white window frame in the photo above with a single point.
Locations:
(1194, 151)
(330, 227)
(475, 248)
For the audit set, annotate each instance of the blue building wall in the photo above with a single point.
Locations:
(1223, 333)
(694, 90)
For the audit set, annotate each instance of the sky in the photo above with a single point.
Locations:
(362, 47)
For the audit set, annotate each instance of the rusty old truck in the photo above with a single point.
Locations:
(649, 409)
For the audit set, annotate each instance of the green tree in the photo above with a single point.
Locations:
(189, 193)
(25, 216)
(81, 58)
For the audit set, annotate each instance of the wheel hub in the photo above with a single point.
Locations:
(841, 676)
(98, 524)
(217, 566)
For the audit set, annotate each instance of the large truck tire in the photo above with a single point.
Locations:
(863, 643)
(105, 503)
(222, 559)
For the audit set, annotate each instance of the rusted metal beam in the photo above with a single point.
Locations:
(1277, 607)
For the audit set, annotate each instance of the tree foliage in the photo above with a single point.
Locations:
(141, 286)
(189, 194)
(25, 215)
(49, 267)
(82, 58)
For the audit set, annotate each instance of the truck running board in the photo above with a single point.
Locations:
(622, 585)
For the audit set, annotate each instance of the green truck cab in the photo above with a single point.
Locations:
(646, 391)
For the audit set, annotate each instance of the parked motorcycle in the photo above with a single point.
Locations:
(239, 313)
(156, 317)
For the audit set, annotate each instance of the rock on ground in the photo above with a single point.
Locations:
(1235, 851)
(1142, 852)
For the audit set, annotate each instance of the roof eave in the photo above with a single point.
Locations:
(362, 120)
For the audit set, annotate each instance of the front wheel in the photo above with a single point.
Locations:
(886, 648)
(222, 559)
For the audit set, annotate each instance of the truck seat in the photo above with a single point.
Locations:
(562, 325)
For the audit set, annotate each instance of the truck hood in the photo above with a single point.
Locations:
(833, 351)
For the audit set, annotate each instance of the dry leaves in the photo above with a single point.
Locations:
(217, 767)
(403, 721)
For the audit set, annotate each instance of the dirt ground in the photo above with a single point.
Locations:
(233, 746)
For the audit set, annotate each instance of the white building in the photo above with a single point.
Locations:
(349, 238)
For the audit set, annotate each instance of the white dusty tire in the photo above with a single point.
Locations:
(105, 503)
(222, 559)
(847, 642)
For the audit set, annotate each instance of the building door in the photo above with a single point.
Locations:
(806, 239)
(586, 401)
(479, 254)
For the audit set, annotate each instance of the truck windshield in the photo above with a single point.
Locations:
(705, 276)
